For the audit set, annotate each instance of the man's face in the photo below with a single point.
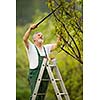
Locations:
(39, 37)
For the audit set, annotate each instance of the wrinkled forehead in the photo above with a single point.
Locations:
(39, 33)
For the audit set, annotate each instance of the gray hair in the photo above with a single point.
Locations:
(35, 35)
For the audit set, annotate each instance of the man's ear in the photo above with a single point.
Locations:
(34, 40)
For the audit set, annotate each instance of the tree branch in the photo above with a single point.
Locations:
(68, 34)
(71, 55)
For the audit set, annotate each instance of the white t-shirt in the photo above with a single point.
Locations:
(33, 56)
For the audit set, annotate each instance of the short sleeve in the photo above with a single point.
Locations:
(30, 46)
(32, 55)
(48, 47)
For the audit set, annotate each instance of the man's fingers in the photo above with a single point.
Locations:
(33, 26)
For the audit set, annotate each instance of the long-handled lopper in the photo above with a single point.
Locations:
(47, 16)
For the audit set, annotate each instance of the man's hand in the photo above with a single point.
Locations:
(26, 35)
(58, 38)
(33, 26)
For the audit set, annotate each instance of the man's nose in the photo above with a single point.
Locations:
(41, 36)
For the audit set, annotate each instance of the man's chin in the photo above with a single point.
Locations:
(40, 41)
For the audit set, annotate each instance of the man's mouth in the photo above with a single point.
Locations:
(40, 40)
(41, 37)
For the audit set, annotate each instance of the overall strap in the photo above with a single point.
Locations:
(45, 51)
(39, 53)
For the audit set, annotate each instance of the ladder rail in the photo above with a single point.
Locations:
(34, 95)
(53, 82)
(62, 83)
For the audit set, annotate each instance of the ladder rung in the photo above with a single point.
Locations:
(45, 79)
(49, 79)
(63, 93)
(57, 80)
(41, 94)
(52, 65)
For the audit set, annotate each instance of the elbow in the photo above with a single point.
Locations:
(24, 39)
(54, 46)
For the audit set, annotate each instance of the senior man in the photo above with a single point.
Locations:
(36, 52)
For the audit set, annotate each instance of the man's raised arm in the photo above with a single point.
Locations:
(27, 33)
(54, 46)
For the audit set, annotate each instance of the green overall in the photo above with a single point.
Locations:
(33, 75)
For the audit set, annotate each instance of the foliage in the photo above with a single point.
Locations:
(70, 68)
(68, 24)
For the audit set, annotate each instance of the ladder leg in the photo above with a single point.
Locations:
(53, 82)
(62, 83)
(44, 84)
(34, 95)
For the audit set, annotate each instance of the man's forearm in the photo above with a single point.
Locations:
(26, 36)
(58, 40)
(54, 46)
